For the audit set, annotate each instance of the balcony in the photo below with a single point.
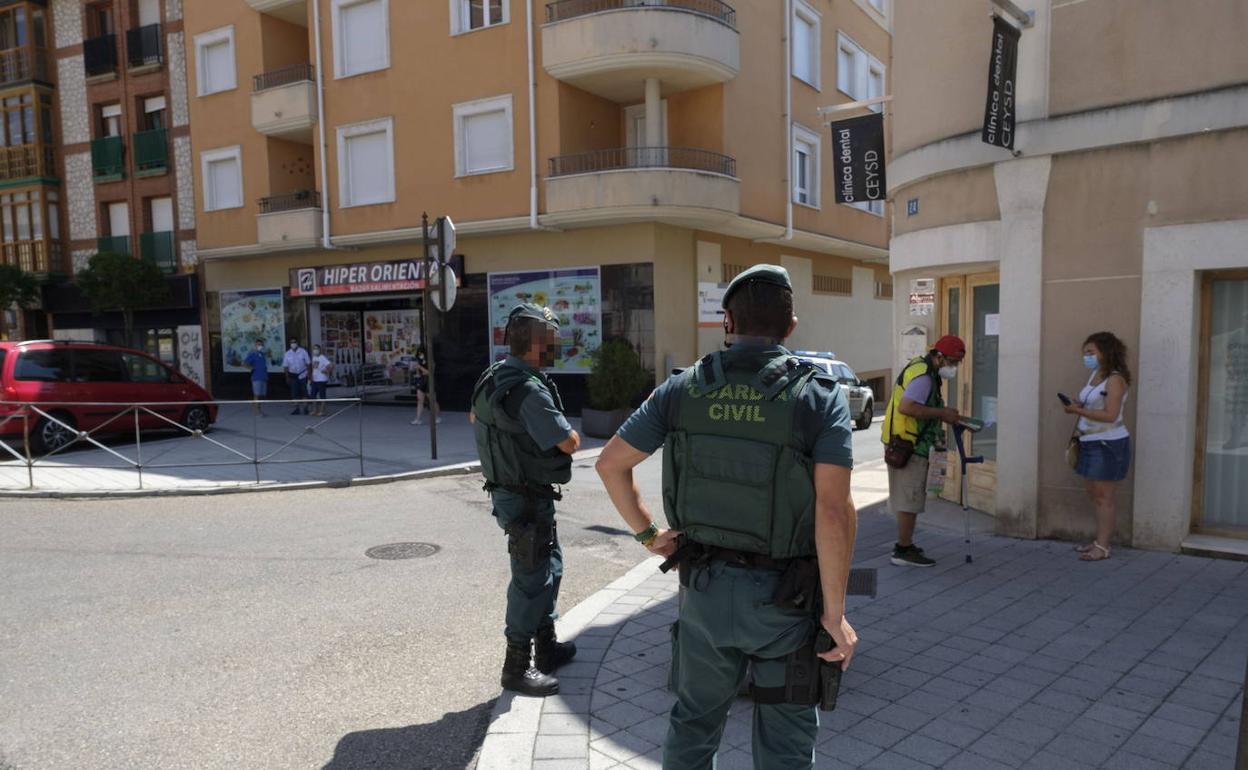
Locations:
(145, 47)
(34, 256)
(293, 11)
(291, 220)
(20, 65)
(114, 244)
(108, 159)
(679, 185)
(27, 161)
(151, 152)
(283, 103)
(157, 248)
(99, 55)
(611, 47)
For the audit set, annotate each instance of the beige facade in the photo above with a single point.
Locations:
(651, 136)
(1118, 152)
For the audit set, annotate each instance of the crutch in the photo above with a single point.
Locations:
(974, 426)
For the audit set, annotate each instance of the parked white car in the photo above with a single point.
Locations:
(861, 397)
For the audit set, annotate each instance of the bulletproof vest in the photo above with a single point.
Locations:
(510, 457)
(734, 474)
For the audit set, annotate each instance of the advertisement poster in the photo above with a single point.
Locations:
(922, 297)
(999, 110)
(710, 304)
(575, 295)
(247, 316)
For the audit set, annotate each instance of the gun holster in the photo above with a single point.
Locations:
(808, 680)
(529, 541)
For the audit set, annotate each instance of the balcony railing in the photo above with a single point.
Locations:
(570, 9)
(21, 64)
(116, 244)
(295, 201)
(108, 159)
(27, 160)
(99, 55)
(145, 46)
(151, 152)
(283, 76)
(34, 256)
(643, 157)
(157, 248)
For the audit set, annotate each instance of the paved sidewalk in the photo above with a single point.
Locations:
(1024, 658)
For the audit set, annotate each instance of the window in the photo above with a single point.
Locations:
(361, 36)
(214, 59)
(366, 163)
(43, 366)
(22, 215)
(160, 214)
(118, 219)
(883, 290)
(98, 366)
(468, 15)
(879, 6)
(806, 43)
(805, 167)
(832, 284)
(871, 207)
(99, 19)
(222, 171)
(18, 120)
(858, 73)
(144, 369)
(154, 111)
(484, 137)
(875, 84)
(110, 120)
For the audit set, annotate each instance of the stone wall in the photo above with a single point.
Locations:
(67, 19)
(80, 192)
(183, 167)
(72, 91)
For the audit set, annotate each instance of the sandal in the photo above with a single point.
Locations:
(1084, 548)
(1092, 555)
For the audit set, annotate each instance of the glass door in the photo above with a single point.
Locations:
(1222, 415)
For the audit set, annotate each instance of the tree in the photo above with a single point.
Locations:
(119, 282)
(17, 287)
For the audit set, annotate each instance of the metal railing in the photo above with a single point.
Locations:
(151, 152)
(194, 421)
(27, 160)
(283, 76)
(113, 244)
(157, 248)
(145, 46)
(99, 55)
(643, 157)
(40, 256)
(24, 63)
(294, 201)
(561, 10)
(108, 158)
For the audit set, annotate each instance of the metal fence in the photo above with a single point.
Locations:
(193, 421)
(292, 201)
(283, 76)
(621, 158)
(570, 9)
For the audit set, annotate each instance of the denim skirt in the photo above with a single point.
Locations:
(1104, 460)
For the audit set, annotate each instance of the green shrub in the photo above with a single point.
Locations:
(616, 376)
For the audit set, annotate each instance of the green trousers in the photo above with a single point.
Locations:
(726, 621)
(532, 593)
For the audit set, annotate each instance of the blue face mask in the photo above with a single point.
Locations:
(1090, 362)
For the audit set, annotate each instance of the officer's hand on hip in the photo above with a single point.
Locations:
(846, 640)
(664, 543)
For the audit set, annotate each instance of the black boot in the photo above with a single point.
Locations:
(549, 654)
(519, 676)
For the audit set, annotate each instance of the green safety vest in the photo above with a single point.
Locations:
(924, 433)
(510, 458)
(734, 474)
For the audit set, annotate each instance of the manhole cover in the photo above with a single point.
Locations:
(402, 551)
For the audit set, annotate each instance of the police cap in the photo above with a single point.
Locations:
(534, 312)
(772, 274)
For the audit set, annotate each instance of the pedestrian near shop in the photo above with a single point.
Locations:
(296, 362)
(322, 368)
(913, 424)
(1104, 442)
(758, 447)
(258, 360)
(525, 444)
(420, 385)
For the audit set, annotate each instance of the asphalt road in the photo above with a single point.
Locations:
(251, 631)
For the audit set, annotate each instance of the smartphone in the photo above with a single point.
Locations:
(1065, 399)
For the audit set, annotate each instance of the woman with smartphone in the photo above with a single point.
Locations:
(1104, 442)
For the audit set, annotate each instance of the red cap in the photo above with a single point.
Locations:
(950, 346)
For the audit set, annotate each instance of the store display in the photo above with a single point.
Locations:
(575, 295)
(247, 316)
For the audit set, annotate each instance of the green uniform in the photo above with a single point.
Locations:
(738, 473)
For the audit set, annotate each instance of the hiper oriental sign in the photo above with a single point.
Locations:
(1001, 107)
(858, 159)
(363, 277)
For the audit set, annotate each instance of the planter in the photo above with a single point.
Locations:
(597, 423)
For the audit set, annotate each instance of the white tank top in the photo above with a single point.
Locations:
(1093, 397)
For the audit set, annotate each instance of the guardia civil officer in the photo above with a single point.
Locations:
(525, 444)
(757, 455)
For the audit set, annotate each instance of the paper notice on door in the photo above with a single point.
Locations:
(988, 410)
(992, 325)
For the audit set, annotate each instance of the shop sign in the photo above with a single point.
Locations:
(922, 296)
(1001, 106)
(858, 159)
(710, 304)
(361, 278)
(575, 296)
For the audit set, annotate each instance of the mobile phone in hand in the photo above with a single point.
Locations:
(1065, 399)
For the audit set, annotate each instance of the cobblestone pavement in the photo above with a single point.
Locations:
(1024, 658)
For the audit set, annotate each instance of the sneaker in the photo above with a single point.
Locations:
(910, 556)
(439, 421)
(296, 411)
(417, 422)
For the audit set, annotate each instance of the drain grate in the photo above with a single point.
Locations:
(861, 582)
(402, 551)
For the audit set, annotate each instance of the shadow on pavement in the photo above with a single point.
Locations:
(448, 743)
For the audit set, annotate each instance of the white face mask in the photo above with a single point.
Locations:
(948, 372)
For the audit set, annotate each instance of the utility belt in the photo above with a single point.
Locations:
(527, 491)
(530, 541)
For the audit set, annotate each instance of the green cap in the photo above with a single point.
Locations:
(773, 274)
(534, 312)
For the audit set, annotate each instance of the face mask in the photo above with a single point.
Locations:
(316, 351)
(294, 345)
(948, 372)
(1090, 362)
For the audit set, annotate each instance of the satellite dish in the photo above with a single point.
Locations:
(435, 291)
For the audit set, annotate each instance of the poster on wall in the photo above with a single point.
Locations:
(710, 304)
(247, 316)
(575, 295)
(191, 353)
(922, 298)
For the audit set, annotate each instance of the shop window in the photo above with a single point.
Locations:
(806, 56)
(366, 163)
(468, 15)
(214, 57)
(361, 30)
(222, 172)
(484, 136)
(628, 307)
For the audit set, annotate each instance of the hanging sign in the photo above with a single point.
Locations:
(858, 159)
(1001, 108)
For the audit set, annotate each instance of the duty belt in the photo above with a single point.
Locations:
(527, 491)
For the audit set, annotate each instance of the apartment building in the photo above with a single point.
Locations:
(619, 161)
(1124, 207)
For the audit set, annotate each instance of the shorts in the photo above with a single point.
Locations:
(319, 388)
(259, 388)
(1104, 460)
(907, 487)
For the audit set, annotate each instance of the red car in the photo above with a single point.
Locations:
(85, 372)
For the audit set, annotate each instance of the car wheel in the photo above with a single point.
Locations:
(197, 418)
(868, 414)
(49, 436)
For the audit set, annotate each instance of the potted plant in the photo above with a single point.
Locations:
(616, 380)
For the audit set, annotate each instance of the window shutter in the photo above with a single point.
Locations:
(225, 183)
(162, 215)
(118, 219)
(218, 67)
(368, 168)
(154, 104)
(149, 12)
(803, 35)
(487, 142)
(364, 45)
